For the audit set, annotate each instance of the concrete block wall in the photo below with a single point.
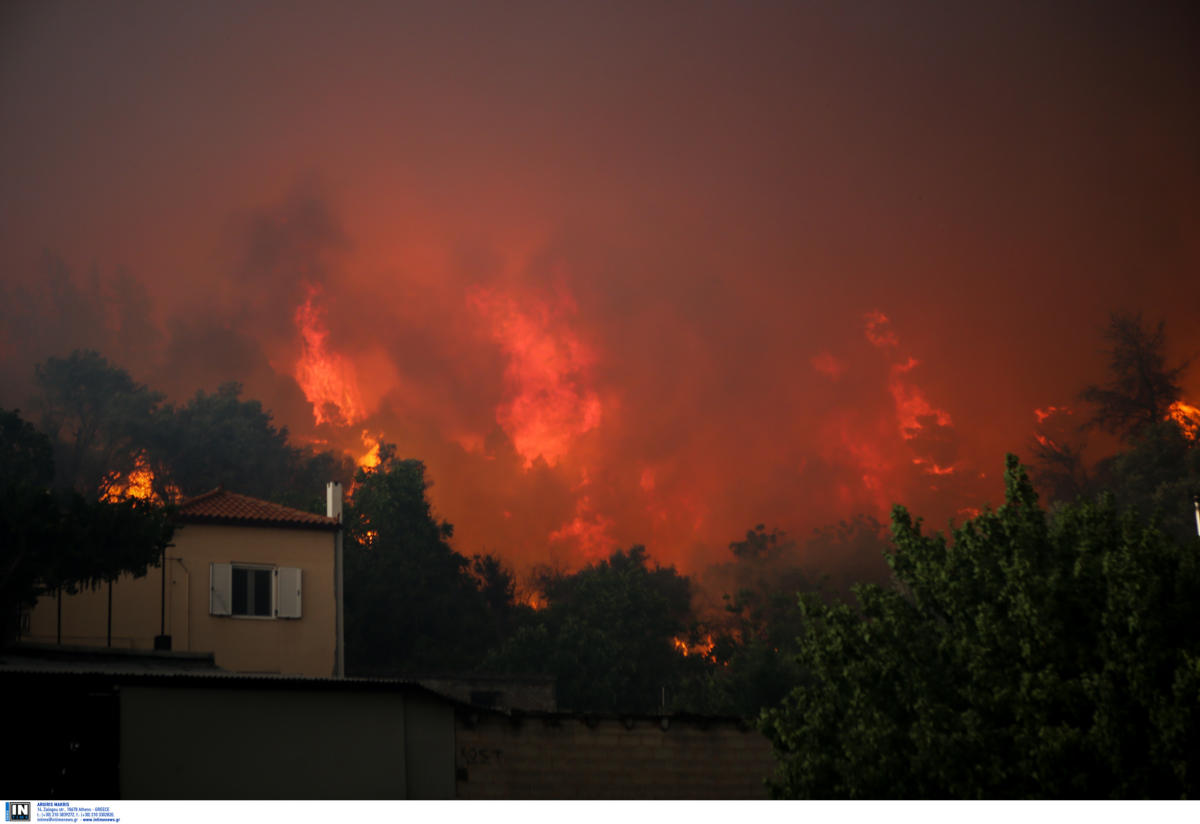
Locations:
(563, 755)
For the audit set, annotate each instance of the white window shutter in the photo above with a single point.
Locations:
(220, 589)
(287, 595)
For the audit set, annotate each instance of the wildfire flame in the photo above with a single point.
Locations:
(1043, 414)
(533, 600)
(370, 459)
(919, 420)
(911, 404)
(702, 649)
(328, 379)
(588, 529)
(931, 468)
(1188, 418)
(139, 483)
(547, 405)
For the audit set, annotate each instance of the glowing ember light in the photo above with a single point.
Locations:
(533, 600)
(370, 459)
(328, 379)
(370, 537)
(911, 405)
(931, 468)
(701, 649)
(1043, 414)
(1188, 418)
(139, 483)
(1046, 442)
(547, 404)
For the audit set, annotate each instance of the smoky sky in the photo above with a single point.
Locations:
(618, 272)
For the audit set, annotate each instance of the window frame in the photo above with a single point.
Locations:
(273, 569)
(291, 602)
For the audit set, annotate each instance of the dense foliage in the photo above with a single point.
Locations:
(607, 633)
(413, 604)
(60, 539)
(1033, 652)
(1141, 387)
(1028, 656)
(102, 424)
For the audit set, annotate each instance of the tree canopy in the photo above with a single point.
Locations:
(51, 539)
(1030, 656)
(220, 438)
(1141, 387)
(607, 633)
(97, 417)
(103, 424)
(413, 604)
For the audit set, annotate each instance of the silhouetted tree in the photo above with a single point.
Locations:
(61, 539)
(1059, 469)
(1156, 475)
(98, 419)
(607, 634)
(222, 439)
(1141, 387)
(412, 604)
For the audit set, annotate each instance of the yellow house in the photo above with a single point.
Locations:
(253, 582)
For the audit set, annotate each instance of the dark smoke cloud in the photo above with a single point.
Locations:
(698, 215)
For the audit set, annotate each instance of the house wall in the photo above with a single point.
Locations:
(304, 646)
(242, 743)
(568, 756)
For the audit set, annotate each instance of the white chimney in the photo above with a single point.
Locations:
(333, 509)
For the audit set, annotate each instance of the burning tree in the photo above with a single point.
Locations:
(99, 419)
(608, 634)
(412, 603)
(51, 540)
(1142, 390)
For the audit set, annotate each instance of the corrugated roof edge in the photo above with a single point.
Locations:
(99, 665)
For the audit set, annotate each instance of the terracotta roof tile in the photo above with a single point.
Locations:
(224, 507)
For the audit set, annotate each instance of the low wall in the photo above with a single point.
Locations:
(559, 755)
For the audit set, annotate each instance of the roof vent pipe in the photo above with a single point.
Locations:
(333, 509)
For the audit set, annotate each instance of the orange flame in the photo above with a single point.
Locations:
(1188, 418)
(547, 405)
(931, 468)
(701, 649)
(1042, 414)
(370, 459)
(911, 404)
(328, 379)
(139, 483)
(588, 529)
(533, 600)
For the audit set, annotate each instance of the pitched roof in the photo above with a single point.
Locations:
(220, 506)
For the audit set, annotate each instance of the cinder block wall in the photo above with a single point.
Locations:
(573, 756)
